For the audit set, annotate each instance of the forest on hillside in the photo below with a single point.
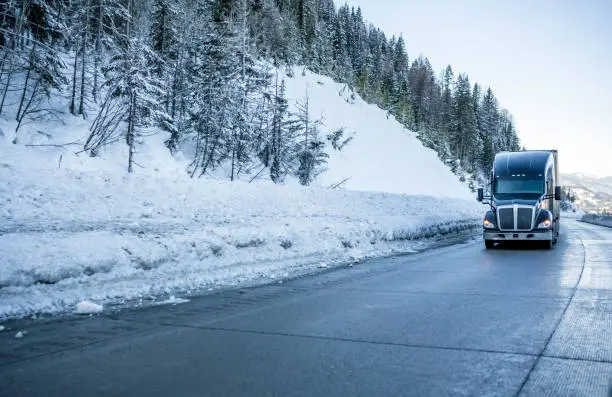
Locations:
(205, 72)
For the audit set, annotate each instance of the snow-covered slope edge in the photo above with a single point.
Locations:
(74, 227)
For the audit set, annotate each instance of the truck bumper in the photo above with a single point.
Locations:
(536, 235)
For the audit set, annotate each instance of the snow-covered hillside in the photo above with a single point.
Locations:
(76, 228)
(383, 155)
(594, 194)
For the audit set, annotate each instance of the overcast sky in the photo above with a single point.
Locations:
(549, 62)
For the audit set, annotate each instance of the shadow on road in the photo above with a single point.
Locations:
(522, 246)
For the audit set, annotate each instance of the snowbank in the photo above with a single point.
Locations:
(601, 220)
(66, 236)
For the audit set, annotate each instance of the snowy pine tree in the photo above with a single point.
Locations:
(281, 136)
(210, 91)
(309, 148)
(131, 103)
(38, 30)
(489, 119)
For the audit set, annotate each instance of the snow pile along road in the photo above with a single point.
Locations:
(109, 239)
(595, 219)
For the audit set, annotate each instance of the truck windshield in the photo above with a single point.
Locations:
(519, 187)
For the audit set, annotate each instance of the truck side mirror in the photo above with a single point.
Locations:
(480, 194)
(558, 193)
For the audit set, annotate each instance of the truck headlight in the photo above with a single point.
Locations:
(489, 221)
(544, 220)
(545, 225)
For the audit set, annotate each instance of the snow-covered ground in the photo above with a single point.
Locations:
(76, 229)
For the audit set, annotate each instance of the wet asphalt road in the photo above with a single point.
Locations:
(454, 321)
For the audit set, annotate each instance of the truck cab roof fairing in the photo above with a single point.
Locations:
(531, 164)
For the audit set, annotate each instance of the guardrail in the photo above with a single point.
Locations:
(602, 220)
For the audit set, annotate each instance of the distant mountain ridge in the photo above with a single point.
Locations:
(593, 193)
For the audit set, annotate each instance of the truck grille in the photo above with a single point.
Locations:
(524, 217)
(506, 218)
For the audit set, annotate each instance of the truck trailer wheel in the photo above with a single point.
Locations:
(489, 244)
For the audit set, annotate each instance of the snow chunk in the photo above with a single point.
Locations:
(86, 307)
(2, 328)
(20, 334)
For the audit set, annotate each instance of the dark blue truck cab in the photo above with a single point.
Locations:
(524, 198)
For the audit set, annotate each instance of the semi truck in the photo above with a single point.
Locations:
(524, 198)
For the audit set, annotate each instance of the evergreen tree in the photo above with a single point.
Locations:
(283, 137)
(44, 65)
(276, 146)
(164, 35)
(463, 124)
(131, 100)
(267, 32)
(244, 90)
(309, 150)
(211, 68)
(489, 119)
(420, 78)
(476, 101)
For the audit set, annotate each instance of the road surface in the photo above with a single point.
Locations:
(450, 322)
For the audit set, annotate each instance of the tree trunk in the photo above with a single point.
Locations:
(174, 93)
(233, 163)
(4, 57)
(25, 87)
(17, 39)
(197, 156)
(129, 21)
(74, 84)
(130, 134)
(28, 106)
(83, 56)
(95, 92)
(6, 86)
(82, 95)
(307, 120)
(274, 149)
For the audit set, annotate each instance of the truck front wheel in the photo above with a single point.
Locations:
(548, 244)
(489, 244)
